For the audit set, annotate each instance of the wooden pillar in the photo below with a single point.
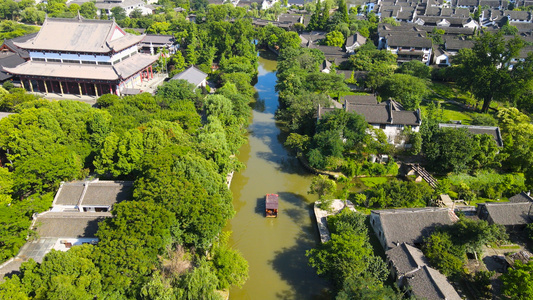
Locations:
(96, 90)
(61, 87)
(45, 87)
(85, 88)
(22, 83)
(31, 86)
(66, 85)
(79, 87)
(152, 72)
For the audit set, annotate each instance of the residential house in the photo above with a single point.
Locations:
(408, 225)
(411, 46)
(325, 66)
(153, 42)
(388, 115)
(354, 41)
(493, 131)
(409, 267)
(68, 229)
(77, 210)
(82, 57)
(129, 6)
(523, 197)
(194, 76)
(512, 215)
(91, 196)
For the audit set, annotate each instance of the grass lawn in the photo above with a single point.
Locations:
(373, 181)
(448, 90)
(450, 112)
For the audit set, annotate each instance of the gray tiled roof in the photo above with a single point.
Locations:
(107, 193)
(411, 225)
(69, 193)
(94, 193)
(457, 44)
(192, 75)
(10, 60)
(490, 130)
(406, 258)
(428, 283)
(361, 99)
(373, 114)
(509, 213)
(386, 112)
(69, 225)
(522, 197)
(157, 39)
(408, 40)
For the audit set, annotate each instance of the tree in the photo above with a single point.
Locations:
(201, 283)
(322, 186)
(300, 110)
(118, 13)
(230, 267)
(348, 252)
(436, 36)
(484, 69)
(442, 254)
(314, 22)
(457, 150)
(518, 282)
(88, 10)
(343, 11)
(406, 89)
(415, 68)
(365, 288)
(335, 38)
(516, 133)
(130, 242)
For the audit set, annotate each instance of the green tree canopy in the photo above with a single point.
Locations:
(406, 89)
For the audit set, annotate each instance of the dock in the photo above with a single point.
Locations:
(321, 216)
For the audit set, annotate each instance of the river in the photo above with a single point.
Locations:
(274, 248)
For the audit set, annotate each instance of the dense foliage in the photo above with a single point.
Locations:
(396, 193)
(177, 146)
(348, 257)
(447, 247)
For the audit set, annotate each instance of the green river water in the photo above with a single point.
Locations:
(274, 248)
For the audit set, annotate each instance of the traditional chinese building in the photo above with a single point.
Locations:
(83, 57)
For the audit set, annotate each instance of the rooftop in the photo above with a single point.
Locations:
(192, 75)
(411, 225)
(490, 130)
(509, 213)
(99, 193)
(80, 35)
(428, 283)
(406, 258)
(69, 225)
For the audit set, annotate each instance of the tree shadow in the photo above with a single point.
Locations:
(292, 266)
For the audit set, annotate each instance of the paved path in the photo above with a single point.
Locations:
(321, 217)
(35, 250)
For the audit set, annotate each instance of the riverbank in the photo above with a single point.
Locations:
(274, 247)
(322, 215)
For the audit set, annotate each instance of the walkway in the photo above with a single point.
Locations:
(321, 216)
(35, 250)
(147, 86)
(425, 175)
